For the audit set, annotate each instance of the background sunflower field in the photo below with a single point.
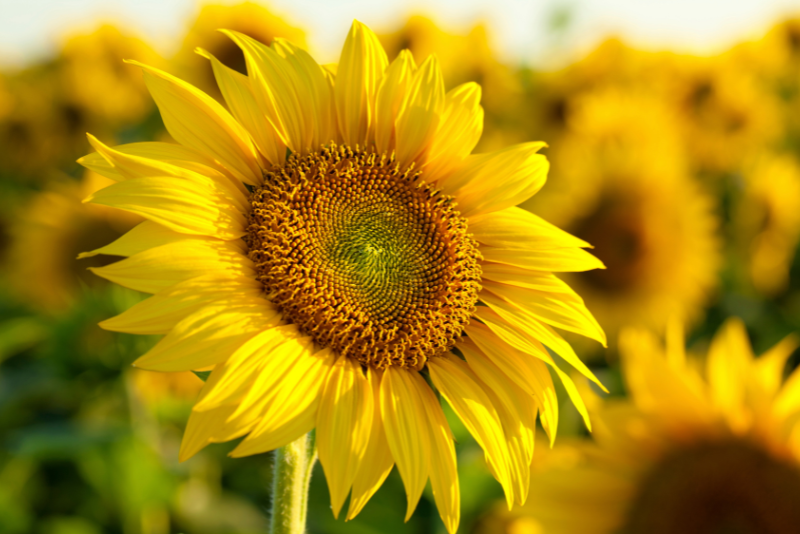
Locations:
(683, 171)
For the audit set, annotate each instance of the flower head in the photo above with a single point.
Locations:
(329, 244)
(698, 447)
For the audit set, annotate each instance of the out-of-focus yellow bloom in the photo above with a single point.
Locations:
(725, 112)
(767, 221)
(247, 18)
(46, 110)
(695, 449)
(620, 183)
(36, 132)
(468, 58)
(50, 232)
(775, 59)
(613, 65)
(155, 389)
(94, 80)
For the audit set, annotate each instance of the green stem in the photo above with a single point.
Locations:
(290, 479)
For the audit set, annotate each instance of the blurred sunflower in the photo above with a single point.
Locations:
(725, 113)
(34, 135)
(620, 183)
(54, 227)
(775, 60)
(99, 90)
(688, 452)
(329, 288)
(159, 390)
(467, 58)
(50, 106)
(613, 65)
(247, 18)
(767, 221)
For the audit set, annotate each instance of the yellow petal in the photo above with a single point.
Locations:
(527, 335)
(317, 83)
(729, 359)
(507, 330)
(787, 401)
(344, 421)
(278, 91)
(517, 413)
(201, 428)
(459, 386)
(238, 94)
(517, 276)
(516, 228)
(141, 237)
(459, 130)
(213, 426)
(491, 355)
(161, 312)
(171, 153)
(358, 77)
(289, 405)
(769, 366)
(558, 260)
(497, 180)
(402, 411)
(378, 461)
(196, 120)
(180, 204)
(161, 267)
(390, 99)
(131, 166)
(419, 116)
(562, 310)
(210, 335)
(235, 376)
(442, 459)
(655, 385)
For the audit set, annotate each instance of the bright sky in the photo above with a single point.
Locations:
(520, 28)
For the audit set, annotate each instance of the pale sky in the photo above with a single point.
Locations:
(519, 28)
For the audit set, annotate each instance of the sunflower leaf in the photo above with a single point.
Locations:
(202, 375)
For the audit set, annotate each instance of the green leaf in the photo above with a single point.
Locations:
(202, 375)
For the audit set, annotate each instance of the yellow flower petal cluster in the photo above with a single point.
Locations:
(328, 245)
(767, 221)
(697, 447)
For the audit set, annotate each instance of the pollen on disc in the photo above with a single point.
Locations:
(364, 257)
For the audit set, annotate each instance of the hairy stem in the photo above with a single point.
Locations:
(290, 479)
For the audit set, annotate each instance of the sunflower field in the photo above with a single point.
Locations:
(656, 285)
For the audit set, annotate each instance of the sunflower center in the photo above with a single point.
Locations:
(364, 257)
(616, 230)
(722, 488)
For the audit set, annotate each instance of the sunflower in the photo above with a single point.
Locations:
(330, 247)
(248, 18)
(620, 182)
(613, 65)
(97, 88)
(767, 221)
(726, 113)
(689, 451)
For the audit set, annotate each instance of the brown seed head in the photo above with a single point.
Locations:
(364, 256)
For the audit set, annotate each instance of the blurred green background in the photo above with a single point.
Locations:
(683, 171)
